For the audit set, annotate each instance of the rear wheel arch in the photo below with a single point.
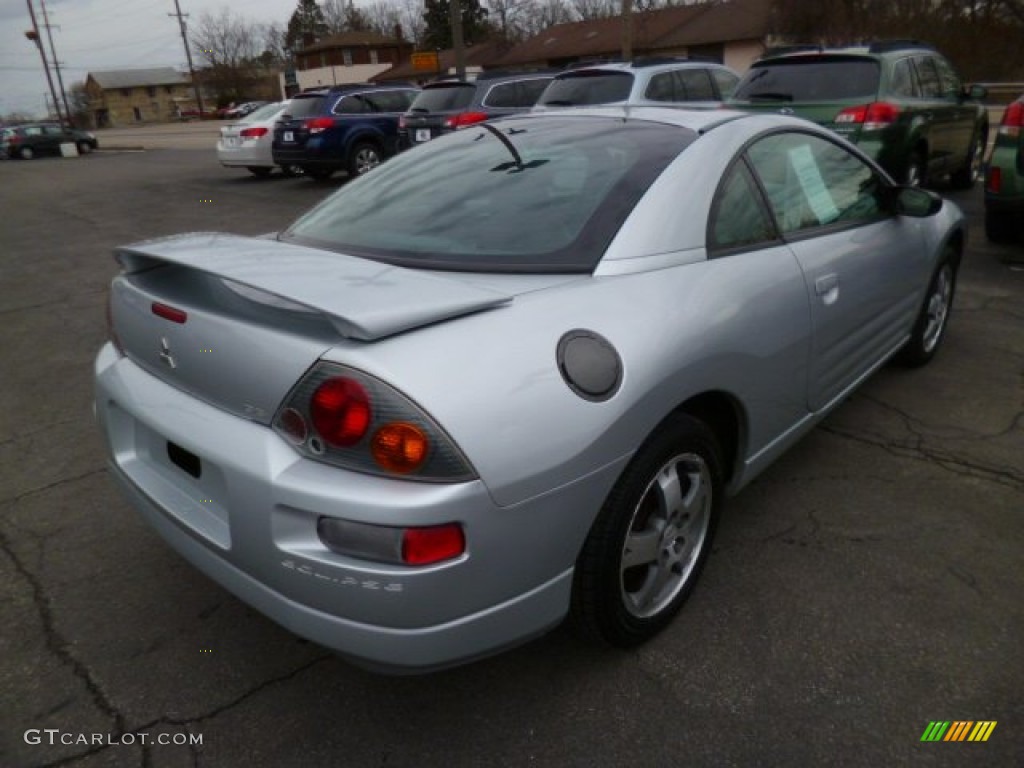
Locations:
(725, 416)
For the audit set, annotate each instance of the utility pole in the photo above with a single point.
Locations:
(627, 30)
(188, 55)
(458, 46)
(56, 62)
(33, 35)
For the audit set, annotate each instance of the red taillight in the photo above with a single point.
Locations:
(871, 117)
(13, 138)
(423, 546)
(994, 179)
(252, 133)
(1013, 120)
(169, 313)
(319, 124)
(340, 410)
(464, 119)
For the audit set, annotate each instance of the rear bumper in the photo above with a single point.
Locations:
(243, 156)
(249, 522)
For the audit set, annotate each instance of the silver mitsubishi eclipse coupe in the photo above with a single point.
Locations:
(509, 376)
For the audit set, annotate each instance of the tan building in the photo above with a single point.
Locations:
(350, 57)
(124, 97)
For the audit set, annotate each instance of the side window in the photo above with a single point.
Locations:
(737, 216)
(696, 85)
(928, 78)
(661, 88)
(52, 130)
(386, 101)
(353, 104)
(530, 90)
(948, 78)
(903, 83)
(811, 182)
(725, 81)
(502, 95)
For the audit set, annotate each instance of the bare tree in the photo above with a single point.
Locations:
(231, 46)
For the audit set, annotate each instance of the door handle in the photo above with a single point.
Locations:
(827, 287)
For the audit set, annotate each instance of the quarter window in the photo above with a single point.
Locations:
(903, 84)
(811, 182)
(738, 218)
(928, 77)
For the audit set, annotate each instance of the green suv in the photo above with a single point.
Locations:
(1004, 179)
(901, 102)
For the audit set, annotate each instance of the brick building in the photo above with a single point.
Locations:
(124, 97)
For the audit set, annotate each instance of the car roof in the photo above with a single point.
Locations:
(875, 49)
(643, 65)
(697, 120)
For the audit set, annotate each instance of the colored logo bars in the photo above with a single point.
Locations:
(958, 730)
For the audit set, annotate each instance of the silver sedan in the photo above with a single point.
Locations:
(511, 375)
(246, 143)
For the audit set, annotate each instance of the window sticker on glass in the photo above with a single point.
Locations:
(813, 185)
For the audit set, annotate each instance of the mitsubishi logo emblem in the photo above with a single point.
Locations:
(165, 353)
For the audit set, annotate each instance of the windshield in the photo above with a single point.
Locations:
(537, 195)
(587, 86)
(804, 78)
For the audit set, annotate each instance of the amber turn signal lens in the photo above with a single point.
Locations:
(400, 447)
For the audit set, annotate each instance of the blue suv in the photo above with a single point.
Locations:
(350, 127)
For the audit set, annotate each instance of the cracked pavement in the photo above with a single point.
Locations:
(869, 582)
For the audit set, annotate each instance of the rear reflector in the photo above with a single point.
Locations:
(169, 313)
(423, 546)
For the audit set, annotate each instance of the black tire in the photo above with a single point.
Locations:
(933, 319)
(916, 174)
(84, 147)
(318, 174)
(624, 603)
(965, 177)
(1001, 227)
(364, 157)
(262, 171)
(26, 153)
(291, 170)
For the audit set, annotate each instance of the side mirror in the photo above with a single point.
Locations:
(977, 92)
(917, 203)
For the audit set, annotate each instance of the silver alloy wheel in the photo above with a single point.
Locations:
(26, 153)
(937, 309)
(84, 147)
(975, 162)
(366, 159)
(666, 535)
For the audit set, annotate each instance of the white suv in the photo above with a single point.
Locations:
(650, 82)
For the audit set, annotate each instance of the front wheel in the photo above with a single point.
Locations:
(930, 327)
(650, 540)
(84, 147)
(364, 158)
(916, 174)
(965, 177)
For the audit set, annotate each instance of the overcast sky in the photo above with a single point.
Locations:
(101, 35)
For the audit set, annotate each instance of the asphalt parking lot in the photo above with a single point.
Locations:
(872, 581)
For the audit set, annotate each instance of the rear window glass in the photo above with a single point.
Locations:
(537, 195)
(263, 113)
(587, 87)
(810, 79)
(443, 98)
(305, 106)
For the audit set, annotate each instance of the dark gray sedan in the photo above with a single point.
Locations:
(27, 141)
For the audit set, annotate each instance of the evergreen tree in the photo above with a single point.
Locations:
(437, 17)
(307, 25)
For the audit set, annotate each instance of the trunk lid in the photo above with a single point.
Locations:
(236, 321)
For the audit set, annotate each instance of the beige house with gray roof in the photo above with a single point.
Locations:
(129, 96)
